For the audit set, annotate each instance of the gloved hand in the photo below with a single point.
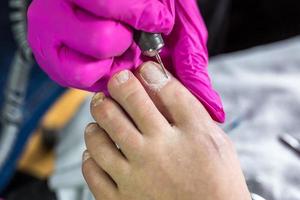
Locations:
(82, 43)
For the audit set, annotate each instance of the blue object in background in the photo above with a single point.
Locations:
(41, 93)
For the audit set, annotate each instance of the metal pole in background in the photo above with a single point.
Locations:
(16, 86)
(12, 112)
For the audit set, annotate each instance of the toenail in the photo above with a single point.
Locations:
(91, 128)
(98, 98)
(153, 75)
(123, 76)
(85, 156)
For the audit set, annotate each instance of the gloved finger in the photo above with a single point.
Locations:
(79, 30)
(191, 58)
(69, 68)
(101, 40)
(59, 42)
(191, 71)
(147, 15)
(96, 37)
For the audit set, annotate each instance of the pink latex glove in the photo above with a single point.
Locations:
(82, 43)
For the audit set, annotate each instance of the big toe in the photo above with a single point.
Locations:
(174, 101)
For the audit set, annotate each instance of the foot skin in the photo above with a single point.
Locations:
(153, 140)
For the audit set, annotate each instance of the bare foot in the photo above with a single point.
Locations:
(168, 146)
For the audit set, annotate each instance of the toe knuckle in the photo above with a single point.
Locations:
(132, 94)
(122, 133)
(126, 136)
(102, 157)
(100, 153)
(147, 114)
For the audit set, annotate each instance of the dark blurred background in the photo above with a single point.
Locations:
(234, 25)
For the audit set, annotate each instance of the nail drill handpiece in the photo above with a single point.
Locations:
(151, 45)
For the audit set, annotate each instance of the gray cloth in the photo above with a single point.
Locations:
(259, 88)
(261, 95)
(67, 180)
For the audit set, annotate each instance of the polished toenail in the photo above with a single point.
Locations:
(123, 76)
(98, 98)
(153, 75)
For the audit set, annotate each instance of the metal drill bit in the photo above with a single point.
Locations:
(158, 58)
(151, 44)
